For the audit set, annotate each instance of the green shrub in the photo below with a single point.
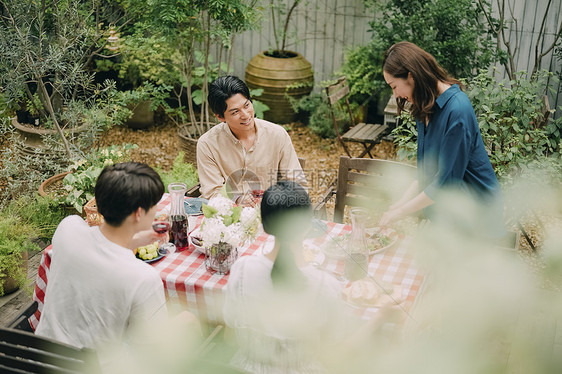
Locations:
(16, 236)
(406, 137)
(313, 110)
(512, 121)
(451, 30)
(181, 172)
(42, 213)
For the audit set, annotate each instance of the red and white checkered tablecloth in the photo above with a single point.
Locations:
(186, 279)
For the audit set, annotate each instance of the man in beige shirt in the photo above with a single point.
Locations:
(242, 153)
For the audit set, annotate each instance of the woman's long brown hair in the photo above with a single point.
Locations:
(405, 57)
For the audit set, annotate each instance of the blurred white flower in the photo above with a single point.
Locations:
(229, 224)
(222, 205)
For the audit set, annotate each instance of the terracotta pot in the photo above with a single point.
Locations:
(274, 75)
(56, 179)
(32, 138)
(52, 180)
(10, 284)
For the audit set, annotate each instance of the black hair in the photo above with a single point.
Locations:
(222, 89)
(122, 188)
(286, 213)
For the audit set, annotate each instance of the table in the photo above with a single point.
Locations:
(186, 279)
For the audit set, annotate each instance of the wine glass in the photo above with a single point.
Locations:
(161, 226)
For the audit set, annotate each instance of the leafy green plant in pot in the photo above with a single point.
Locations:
(46, 48)
(280, 72)
(192, 28)
(78, 185)
(146, 66)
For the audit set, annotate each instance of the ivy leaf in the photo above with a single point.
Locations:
(208, 211)
(227, 220)
(236, 212)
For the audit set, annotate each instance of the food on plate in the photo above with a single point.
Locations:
(196, 240)
(148, 252)
(309, 252)
(379, 238)
(365, 292)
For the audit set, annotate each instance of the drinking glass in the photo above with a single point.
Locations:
(357, 256)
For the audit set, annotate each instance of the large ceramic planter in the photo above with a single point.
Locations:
(279, 77)
(142, 117)
(10, 284)
(32, 138)
(189, 135)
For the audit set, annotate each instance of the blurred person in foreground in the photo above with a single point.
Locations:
(287, 314)
(273, 300)
(98, 291)
(451, 153)
(242, 153)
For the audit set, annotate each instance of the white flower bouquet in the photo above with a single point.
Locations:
(225, 226)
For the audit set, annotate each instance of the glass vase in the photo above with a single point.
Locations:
(220, 257)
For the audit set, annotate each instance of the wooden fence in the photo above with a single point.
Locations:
(326, 28)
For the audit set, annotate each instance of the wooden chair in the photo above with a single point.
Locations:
(24, 352)
(370, 183)
(21, 322)
(367, 134)
(195, 191)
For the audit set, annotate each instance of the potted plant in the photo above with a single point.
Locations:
(146, 69)
(193, 28)
(281, 73)
(76, 186)
(47, 48)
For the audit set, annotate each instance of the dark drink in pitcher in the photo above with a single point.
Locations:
(179, 232)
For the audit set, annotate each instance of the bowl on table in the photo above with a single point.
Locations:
(196, 241)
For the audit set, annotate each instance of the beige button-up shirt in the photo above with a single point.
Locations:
(222, 160)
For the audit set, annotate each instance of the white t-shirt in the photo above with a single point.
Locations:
(275, 332)
(96, 288)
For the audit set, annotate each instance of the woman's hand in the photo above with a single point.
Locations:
(390, 216)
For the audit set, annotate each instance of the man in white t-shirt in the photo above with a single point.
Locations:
(97, 289)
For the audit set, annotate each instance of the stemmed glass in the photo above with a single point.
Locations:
(161, 226)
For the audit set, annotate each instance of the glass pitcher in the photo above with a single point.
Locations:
(178, 216)
(357, 256)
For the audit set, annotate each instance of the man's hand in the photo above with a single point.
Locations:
(146, 237)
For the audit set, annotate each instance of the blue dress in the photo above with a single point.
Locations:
(451, 155)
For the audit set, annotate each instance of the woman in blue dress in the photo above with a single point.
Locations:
(451, 153)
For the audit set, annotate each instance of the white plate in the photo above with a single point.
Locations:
(391, 295)
(198, 248)
(312, 254)
(385, 233)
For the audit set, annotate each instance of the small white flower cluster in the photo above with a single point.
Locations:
(249, 219)
(214, 229)
(222, 205)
